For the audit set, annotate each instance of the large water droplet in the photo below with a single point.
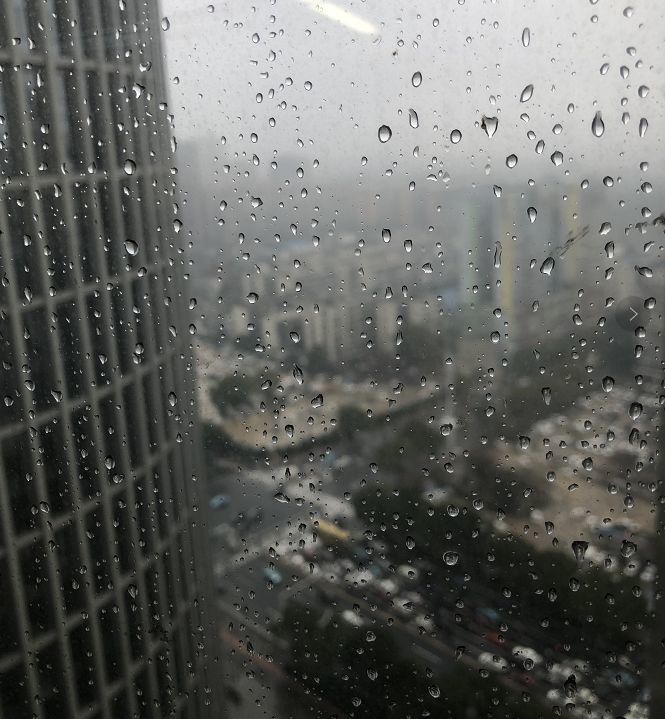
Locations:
(643, 126)
(451, 558)
(526, 94)
(129, 167)
(579, 549)
(526, 37)
(547, 266)
(608, 383)
(532, 214)
(497, 254)
(628, 548)
(298, 375)
(385, 133)
(635, 410)
(385, 234)
(416, 79)
(131, 247)
(413, 118)
(511, 161)
(597, 125)
(489, 124)
(455, 136)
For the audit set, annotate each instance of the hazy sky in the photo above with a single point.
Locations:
(360, 58)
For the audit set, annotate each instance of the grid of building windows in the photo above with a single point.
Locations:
(102, 613)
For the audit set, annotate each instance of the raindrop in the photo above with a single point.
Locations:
(298, 374)
(547, 266)
(579, 549)
(416, 79)
(526, 93)
(451, 558)
(413, 120)
(642, 91)
(556, 157)
(570, 687)
(385, 133)
(129, 167)
(628, 548)
(587, 463)
(317, 401)
(643, 126)
(497, 254)
(608, 384)
(511, 161)
(281, 498)
(295, 337)
(635, 410)
(385, 234)
(526, 37)
(597, 125)
(455, 136)
(532, 214)
(131, 247)
(547, 395)
(495, 337)
(489, 125)
(497, 190)
(410, 542)
(166, 24)
(605, 228)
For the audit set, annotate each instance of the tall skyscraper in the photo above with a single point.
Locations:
(102, 569)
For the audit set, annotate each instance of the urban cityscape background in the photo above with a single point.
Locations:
(332, 372)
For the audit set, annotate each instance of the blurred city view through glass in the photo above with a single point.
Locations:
(332, 362)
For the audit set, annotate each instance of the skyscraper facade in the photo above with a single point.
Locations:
(102, 568)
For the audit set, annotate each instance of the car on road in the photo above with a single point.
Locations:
(348, 615)
(219, 501)
(527, 655)
(493, 662)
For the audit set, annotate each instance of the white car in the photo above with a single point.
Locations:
(492, 661)
(637, 710)
(527, 654)
(348, 615)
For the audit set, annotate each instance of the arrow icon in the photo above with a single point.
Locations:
(633, 316)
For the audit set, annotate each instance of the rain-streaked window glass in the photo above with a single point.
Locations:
(331, 359)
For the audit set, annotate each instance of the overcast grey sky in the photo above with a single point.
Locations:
(472, 60)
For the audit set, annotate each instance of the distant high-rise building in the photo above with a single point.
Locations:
(102, 569)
